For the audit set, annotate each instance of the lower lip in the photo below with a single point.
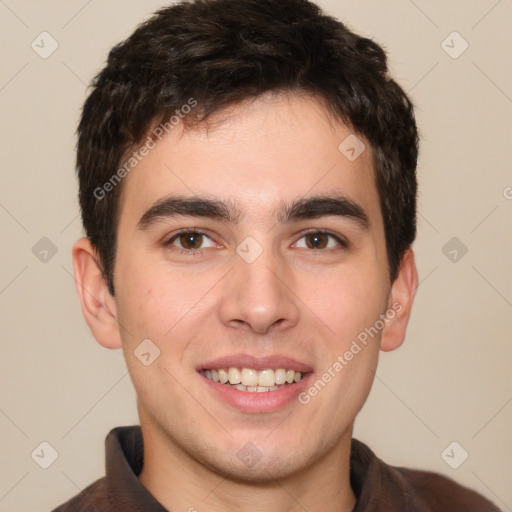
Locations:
(267, 401)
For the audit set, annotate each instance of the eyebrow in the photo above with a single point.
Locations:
(226, 211)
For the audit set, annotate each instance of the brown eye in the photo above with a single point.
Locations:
(321, 240)
(191, 240)
(317, 240)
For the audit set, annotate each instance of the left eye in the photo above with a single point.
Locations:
(320, 240)
(190, 240)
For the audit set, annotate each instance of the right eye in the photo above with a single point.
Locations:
(190, 241)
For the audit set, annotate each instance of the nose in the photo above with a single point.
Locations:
(259, 296)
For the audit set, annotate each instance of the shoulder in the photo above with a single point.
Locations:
(401, 489)
(436, 492)
(91, 499)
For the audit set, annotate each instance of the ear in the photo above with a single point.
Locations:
(98, 305)
(401, 298)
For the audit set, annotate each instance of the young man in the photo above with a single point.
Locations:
(248, 191)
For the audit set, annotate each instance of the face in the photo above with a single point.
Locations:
(255, 244)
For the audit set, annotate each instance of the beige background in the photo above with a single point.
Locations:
(451, 381)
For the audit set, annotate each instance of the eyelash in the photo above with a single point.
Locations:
(191, 252)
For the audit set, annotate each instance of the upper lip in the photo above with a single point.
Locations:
(257, 363)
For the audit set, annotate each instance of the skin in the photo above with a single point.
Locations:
(309, 304)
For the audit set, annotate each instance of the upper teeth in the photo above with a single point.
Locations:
(250, 377)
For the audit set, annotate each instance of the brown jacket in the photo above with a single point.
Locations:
(378, 487)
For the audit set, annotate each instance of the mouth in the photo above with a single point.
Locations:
(251, 384)
(252, 380)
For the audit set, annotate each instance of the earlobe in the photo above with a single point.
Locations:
(401, 299)
(98, 306)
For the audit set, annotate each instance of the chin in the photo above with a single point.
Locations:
(263, 472)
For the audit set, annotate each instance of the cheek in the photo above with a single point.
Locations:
(151, 299)
(347, 302)
(154, 312)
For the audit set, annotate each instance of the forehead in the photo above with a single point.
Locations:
(257, 155)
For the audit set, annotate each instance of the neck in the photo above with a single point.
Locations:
(180, 482)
